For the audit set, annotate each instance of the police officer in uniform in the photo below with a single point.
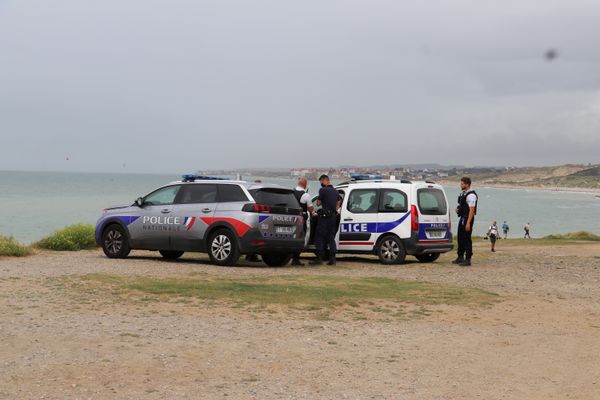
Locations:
(301, 193)
(330, 202)
(466, 211)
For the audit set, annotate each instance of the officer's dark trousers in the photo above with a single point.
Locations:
(465, 244)
(325, 237)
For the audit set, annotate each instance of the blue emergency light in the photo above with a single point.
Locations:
(365, 177)
(192, 178)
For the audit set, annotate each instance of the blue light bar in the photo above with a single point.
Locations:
(192, 178)
(365, 177)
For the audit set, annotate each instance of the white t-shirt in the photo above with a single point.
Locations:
(471, 199)
(305, 199)
(494, 230)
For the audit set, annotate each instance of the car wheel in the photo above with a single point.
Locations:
(114, 242)
(170, 254)
(428, 258)
(391, 250)
(223, 248)
(276, 259)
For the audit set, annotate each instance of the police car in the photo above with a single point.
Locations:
(392, 219)
(224, 218)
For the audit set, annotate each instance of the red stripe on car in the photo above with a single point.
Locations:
(240, 227)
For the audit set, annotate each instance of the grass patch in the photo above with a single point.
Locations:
(311, 292)
(579, 235)
(70, 238)
(11, 248)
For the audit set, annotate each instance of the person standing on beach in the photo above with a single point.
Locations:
(466, 211)
(492, 234)
(505, 229)
(527, 228)
(301, 193)
(330, 202)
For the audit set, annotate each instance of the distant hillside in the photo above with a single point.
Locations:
(563, 176)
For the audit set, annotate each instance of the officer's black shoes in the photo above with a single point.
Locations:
(297, 262)
(465, 263)
(316, 261)
(331, 262)
(458, 260)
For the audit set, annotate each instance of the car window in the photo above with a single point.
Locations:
(432, 202)
(275, 197)
(392, 200)
(198, 193)
(362, 201)
(231, 193)
(162, 196)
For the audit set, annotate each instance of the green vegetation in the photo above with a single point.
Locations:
(70, 238)
(314, 292)
(579, 235)
(11, 248)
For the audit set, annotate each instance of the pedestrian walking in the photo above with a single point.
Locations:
(466, 211)
(505, 229)
(301, 193)
(492, 234)
(527, 228)
(330, 201)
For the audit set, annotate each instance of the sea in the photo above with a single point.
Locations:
(33, 204)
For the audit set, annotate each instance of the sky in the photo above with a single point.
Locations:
(186, 85)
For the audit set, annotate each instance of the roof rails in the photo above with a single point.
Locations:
(432, 182)
(375, 181)
(192, 178)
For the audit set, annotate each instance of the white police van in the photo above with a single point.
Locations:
(392, 219)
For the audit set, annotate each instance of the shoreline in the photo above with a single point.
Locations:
(561, 189)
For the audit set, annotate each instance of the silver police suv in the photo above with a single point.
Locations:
(224, 218)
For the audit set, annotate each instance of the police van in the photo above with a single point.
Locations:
(392, 219)
(224, 218)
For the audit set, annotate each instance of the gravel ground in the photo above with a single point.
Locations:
(542, 341)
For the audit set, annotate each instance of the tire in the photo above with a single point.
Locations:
(391, 250)
(115, 242)
(276, 259)
(170, 254)
(428, 257)
(223, 248)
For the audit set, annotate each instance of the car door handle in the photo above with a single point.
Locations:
(348, 219)
(165, 211)
(206, 210)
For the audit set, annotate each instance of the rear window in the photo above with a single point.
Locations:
(229, 193)
(275, 197)
(432, 202)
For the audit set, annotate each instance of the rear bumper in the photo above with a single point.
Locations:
(254, 242)
(416, 247)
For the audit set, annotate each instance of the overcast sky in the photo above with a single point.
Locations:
(181, 85)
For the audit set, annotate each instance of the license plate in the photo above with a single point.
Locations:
(436, 234)
(285, 229)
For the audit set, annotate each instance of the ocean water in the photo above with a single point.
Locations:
(33, 204)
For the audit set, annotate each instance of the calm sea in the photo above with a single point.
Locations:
(33, 204)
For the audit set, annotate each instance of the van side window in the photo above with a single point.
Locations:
(162, 196)
(198, 193)
(362, 201)
(392, 200)
(229, 193)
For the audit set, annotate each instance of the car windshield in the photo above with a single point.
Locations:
(275, 197)
(432, 202)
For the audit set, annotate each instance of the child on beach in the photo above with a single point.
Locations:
(505, 229)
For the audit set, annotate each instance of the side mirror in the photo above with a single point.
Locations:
(139, 202)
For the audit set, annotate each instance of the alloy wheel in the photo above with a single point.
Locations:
(114, 241)
(390, 250)
(221, 247)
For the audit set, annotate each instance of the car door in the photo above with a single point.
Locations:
(394, 215)
(358, 225)
(194, 202)
(152, 229)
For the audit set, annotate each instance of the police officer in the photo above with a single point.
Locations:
(330, 202)
(466, 211)
(301, 193)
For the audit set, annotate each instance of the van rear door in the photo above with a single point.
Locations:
(434, 218)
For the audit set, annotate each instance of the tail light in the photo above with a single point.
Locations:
(414, 218)
(258, 208)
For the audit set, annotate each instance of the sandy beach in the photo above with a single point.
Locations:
(537, 340)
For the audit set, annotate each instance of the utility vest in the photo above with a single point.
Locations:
(463, 207)
(298, 194)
